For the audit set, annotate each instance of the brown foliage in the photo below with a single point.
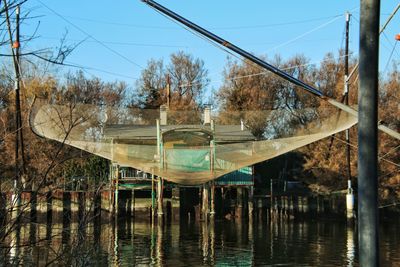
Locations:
(44, 159)
(246, 87)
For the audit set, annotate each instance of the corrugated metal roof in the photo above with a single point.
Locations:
(223, 133)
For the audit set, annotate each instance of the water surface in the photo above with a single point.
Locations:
(222, 243)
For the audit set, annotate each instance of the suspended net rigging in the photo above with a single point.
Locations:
(186, 147)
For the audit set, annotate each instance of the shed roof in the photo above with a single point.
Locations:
(223, 133)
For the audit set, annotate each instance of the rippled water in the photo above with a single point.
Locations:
(223, 243)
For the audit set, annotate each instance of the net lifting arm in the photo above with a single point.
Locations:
(261, 62)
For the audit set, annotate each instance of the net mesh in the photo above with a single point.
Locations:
(186, 150)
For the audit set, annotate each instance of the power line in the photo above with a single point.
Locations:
(390, 57)
(381, 158)
(90, 36)
(304, 34)
(238, 27)
(121, 43)
(275, 24)
(220, 46)
(387, 39)
(267, 72)
(74, 65)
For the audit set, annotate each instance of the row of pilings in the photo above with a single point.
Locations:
(177, 203)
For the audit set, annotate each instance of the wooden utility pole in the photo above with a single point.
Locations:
(349, 195)
(17, 46)
(15, 49)
(346, 91)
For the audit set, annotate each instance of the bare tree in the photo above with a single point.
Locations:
(188, 79)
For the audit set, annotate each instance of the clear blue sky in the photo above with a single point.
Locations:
(136, 33)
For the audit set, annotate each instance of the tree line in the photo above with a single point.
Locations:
(183, 81)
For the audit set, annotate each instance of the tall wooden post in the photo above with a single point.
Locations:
(212, 160)
(153, 198)
(116, 181)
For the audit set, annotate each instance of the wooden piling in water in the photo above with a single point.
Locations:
(239, 202)
(66, 212)
(97, 205)
(250, 202)
(81, 206)
(49, 206)
(175, 203)
(33, 199)
(132, 204)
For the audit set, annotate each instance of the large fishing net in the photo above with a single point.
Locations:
(186, 147)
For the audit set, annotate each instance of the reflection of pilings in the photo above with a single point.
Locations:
(131, 233)
(205, 202)
(159, 246)
(205, 238)
(97, 235)
(212, 242)
(272, 226)
(83, 217)
(115, 245)
(212, 211)
(305, 204)
(32, 233)
(294, 204)
(66, 225)
(15, 245)
(349, 202)
(350, 246)
(110, 234)
(160, 192)
(153, 243)
(49, 228)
